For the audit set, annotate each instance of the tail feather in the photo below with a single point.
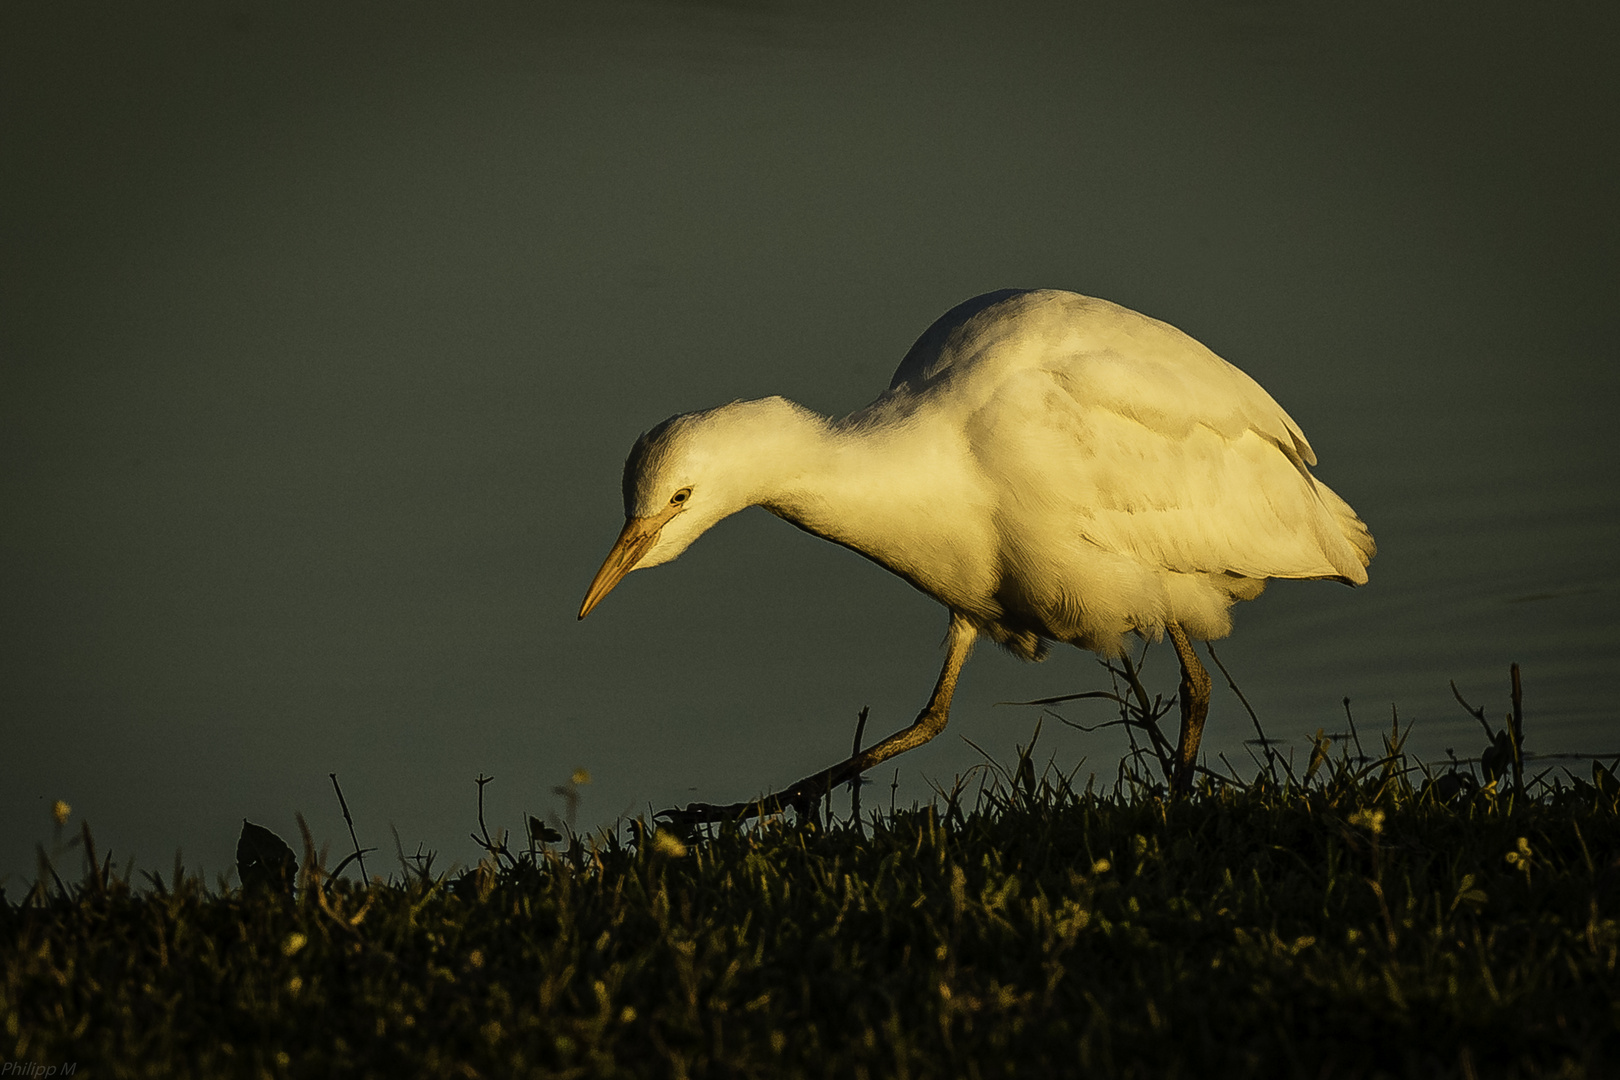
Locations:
(1355, 532)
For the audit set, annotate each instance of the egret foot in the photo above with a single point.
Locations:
(804, 795)
(1194, 710)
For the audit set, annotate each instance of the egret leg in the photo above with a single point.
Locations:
(802, 795)
(1194, 709)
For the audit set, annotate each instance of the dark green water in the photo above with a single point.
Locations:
(323, 336)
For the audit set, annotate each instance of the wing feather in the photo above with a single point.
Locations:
(1138, 438)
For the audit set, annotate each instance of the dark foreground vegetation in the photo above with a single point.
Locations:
(1363, 918)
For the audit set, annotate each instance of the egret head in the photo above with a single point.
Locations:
(681, 478)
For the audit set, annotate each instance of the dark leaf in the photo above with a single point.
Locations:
(541, 833)
(264, 861)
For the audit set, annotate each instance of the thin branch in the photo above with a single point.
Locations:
(1272, 757)
(1477, 714)
(856, 781)
(1517, 725)
(358, 854)
(1360, 753)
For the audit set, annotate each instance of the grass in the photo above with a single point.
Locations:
(1365, 919)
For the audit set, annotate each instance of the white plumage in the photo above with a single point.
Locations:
(1049, 466)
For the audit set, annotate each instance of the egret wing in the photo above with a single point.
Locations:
(1189, 472)
(1133, 436)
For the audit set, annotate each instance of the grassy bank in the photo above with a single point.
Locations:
(1365, 921)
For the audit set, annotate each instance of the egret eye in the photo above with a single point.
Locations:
(680, 496)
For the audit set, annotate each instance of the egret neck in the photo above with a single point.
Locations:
(878, 489)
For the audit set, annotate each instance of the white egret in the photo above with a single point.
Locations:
(1049, 466)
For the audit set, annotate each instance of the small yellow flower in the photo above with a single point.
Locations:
(665, 843)
(581, 776)
(1371, 820)
(293, 942)
(60, 811)
(1101, 866)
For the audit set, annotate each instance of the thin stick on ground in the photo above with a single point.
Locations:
(1518, 731)
(1272, 757)
(1361, 754)
(342, 802)
(856, 781)
(496, 846)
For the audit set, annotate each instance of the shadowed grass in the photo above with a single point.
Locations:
(1353, 923)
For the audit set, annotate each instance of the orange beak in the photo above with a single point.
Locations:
(638, 536)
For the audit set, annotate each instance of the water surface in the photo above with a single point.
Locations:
(325, 335)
